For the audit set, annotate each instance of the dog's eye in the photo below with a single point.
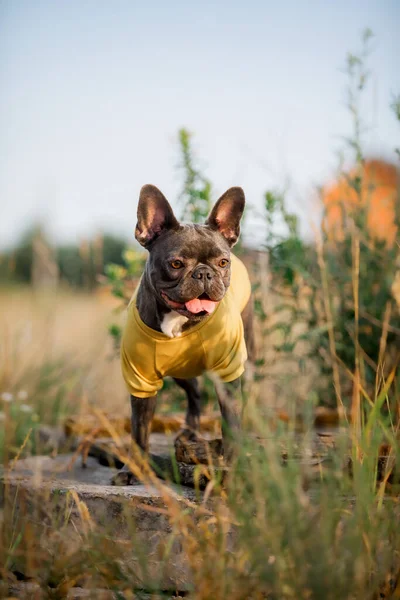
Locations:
(224, 262)
(176, 264)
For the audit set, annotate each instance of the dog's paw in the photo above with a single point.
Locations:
(123, 477)
(187, 434)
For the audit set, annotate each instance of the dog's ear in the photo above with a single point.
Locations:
(154, 215)
(226, 214)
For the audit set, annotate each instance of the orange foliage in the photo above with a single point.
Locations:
(379, 194)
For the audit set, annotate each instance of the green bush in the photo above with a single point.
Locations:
(339, 289)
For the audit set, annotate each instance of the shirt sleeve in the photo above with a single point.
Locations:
(226, 351)
(137, 363)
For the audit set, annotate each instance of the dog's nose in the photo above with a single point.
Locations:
(203, 272)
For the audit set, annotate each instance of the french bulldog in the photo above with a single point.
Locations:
(192, 312)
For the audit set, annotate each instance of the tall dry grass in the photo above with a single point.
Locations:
(56, 357)
(275, 531)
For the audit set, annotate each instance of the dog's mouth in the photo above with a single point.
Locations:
(202, 305)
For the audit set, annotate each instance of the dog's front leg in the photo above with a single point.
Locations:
(141, 416)
(142, 412)
(231, 405)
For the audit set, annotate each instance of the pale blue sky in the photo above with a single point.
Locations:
(93, 93)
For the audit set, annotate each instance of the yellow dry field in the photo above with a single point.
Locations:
(58, 342)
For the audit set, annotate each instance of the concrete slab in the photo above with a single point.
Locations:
(32, 591)
(45, 490)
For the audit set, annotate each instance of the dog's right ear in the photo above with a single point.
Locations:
(154, 215)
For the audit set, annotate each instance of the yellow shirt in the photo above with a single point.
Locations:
(215, 344)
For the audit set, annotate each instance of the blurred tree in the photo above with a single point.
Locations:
(79, 266)
(23, 254)
(70, 263)
(113, 250)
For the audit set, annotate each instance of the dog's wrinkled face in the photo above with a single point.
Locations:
(189, 265)
(190, 269)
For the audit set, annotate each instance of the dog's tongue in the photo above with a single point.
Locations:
(196, 305)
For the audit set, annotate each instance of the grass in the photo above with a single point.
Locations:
(265, 536)
(55, 359)
(277, 530)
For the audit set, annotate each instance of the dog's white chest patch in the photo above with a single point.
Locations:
(172, 324)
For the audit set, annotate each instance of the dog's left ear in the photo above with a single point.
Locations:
(226, 214)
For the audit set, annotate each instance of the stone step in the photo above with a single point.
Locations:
(43, 488)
